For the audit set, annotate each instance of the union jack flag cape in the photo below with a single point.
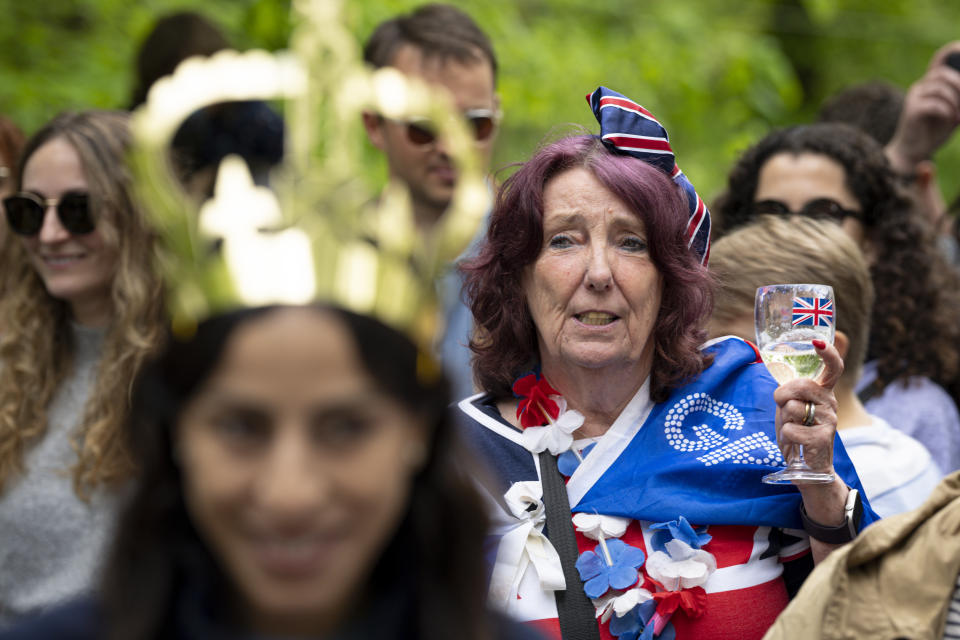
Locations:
(700, 454)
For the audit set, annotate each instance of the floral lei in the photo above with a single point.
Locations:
(636, 595)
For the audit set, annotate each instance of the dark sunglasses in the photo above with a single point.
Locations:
(422, 131)
(824, 208)
(25, 212)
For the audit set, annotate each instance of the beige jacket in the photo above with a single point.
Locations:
(894, 581)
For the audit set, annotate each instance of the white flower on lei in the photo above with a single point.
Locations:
(620, 603)
(682, 567)
(556, 437)
(594, 526)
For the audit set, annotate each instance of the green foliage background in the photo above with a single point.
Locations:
(717, 73)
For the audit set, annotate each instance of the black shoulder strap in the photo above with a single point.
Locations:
(578, 618)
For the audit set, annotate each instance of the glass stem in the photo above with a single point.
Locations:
(797, 457)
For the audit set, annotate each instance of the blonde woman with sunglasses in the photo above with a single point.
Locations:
(81, 312)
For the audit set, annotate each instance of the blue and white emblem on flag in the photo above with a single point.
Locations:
(701, 454)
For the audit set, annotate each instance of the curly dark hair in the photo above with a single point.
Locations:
(505, 340)
(914, 332)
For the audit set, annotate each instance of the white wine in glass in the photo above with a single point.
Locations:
(789, 317)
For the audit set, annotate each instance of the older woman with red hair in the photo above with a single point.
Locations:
(629, 455)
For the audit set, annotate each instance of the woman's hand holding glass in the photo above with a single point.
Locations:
(823, 502)
(792, 398)
(794, 324)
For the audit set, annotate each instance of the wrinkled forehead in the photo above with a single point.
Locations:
(578, 196)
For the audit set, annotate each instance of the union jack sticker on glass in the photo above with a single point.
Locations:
(788, 318)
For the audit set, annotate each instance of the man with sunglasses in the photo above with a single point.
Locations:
(443, 46)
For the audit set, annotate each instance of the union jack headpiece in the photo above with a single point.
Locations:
(628, 128)
(812, 312)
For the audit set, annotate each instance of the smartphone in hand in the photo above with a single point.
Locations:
(953, 60)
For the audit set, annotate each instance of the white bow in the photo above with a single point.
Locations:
(523, 545)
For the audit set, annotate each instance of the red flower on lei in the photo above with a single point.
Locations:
(692, 601)
(534, 394)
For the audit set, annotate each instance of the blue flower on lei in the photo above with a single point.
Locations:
(634, 625)
(621, 573)
(568, 462)
(678, 529)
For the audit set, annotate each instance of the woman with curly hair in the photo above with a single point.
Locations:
(81, 312)
(836, 172)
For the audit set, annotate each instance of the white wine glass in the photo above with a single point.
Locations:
(788, 318)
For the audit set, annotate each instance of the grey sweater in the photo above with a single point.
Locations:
(52, 543)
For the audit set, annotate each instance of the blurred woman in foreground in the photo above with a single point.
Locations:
(298, 480)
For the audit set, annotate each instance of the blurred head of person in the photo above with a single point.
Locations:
(835, 172)
(782, 250)
(298, 469)
(872, 107)
(250, 129)
(442, 46)
(173, 38)
(877, 108)
(77, 250)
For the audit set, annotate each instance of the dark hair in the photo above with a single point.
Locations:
(872, 107)
(868, 175)
(914, 331)
(174, 38)
(250, 129)
(11, 142)
(505, 343)
(437, 30)
(436, 552)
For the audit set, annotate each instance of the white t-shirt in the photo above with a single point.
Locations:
(897, 471)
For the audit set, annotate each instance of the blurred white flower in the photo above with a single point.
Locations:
(593, 525)
(681, 567)
(620, 602)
